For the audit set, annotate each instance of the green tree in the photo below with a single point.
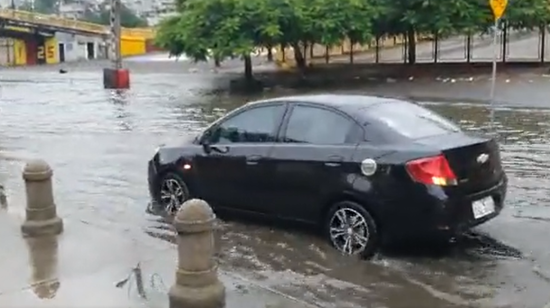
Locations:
(451, 17)
(412, 17)
(168, 36)
(217, 28)
(304, 23)
(233, 28)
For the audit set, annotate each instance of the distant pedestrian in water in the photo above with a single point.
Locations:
(3, 199)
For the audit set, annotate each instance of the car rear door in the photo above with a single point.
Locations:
(233, 174)
(312, 161)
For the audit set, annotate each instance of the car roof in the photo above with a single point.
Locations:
(349, 103)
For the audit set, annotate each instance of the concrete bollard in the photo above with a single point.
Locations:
(43, 257)
(197, 284)
(41, 212)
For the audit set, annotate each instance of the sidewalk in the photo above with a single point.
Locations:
(82, 267)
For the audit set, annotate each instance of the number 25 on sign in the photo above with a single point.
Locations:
(498, 7)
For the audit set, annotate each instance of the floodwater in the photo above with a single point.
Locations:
(99, 141)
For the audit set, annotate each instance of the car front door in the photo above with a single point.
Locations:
(313, 160)
(233, 172)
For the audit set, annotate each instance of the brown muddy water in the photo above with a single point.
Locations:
(98, 143)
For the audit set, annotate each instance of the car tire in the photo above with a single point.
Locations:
(351, 229)
(172, 193)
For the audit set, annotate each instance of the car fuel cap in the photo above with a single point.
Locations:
(368, 166)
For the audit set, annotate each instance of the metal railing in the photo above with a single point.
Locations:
(71, 24)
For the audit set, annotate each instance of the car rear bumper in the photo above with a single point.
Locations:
(440, 215)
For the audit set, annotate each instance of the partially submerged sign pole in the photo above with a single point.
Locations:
(498, 7)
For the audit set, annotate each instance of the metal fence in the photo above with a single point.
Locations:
(513, 46)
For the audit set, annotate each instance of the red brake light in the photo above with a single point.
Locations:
(432, 171)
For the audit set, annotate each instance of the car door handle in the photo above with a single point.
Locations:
(253, 159)
(334, 161)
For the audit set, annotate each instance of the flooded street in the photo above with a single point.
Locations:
(98, 143)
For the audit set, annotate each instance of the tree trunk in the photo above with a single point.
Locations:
(351, 52)
(248, 68)
(304, 54)
(298, 56)
(411, 46)
(217, 62)
(269, 53)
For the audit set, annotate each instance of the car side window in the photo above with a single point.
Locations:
(251, 126)
(318, 126)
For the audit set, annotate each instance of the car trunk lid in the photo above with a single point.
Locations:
(475, 161)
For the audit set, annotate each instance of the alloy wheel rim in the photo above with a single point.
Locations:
(172, 195)
(349, 231)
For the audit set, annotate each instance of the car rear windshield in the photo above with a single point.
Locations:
(411, 120)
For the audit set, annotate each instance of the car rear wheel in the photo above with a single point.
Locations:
(172, 193)
(351, 229)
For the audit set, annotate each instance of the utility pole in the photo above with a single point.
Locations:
(115, 34)
(115, 77)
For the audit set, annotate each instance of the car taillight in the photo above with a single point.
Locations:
(432, 170)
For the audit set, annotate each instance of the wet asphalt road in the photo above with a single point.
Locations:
(98, 143)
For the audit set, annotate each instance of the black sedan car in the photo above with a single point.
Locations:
(360, 167)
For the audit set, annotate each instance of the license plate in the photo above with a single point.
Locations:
(483, 207)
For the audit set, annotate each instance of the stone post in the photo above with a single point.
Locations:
(197, 284)
(41, 213)
(43, 253)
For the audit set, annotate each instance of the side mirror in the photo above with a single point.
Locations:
(206, 142)
(206, 145)
(206, 138)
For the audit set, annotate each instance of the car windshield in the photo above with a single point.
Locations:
(411, 120)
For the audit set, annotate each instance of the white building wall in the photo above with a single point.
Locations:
(76, 46)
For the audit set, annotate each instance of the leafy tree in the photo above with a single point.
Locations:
(527, 14)
(412, 17)
(359, 26)
(168, 37)
(233, 28)
(218, 28)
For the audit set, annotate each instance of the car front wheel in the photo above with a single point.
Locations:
(172, 193)
(351, 229)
